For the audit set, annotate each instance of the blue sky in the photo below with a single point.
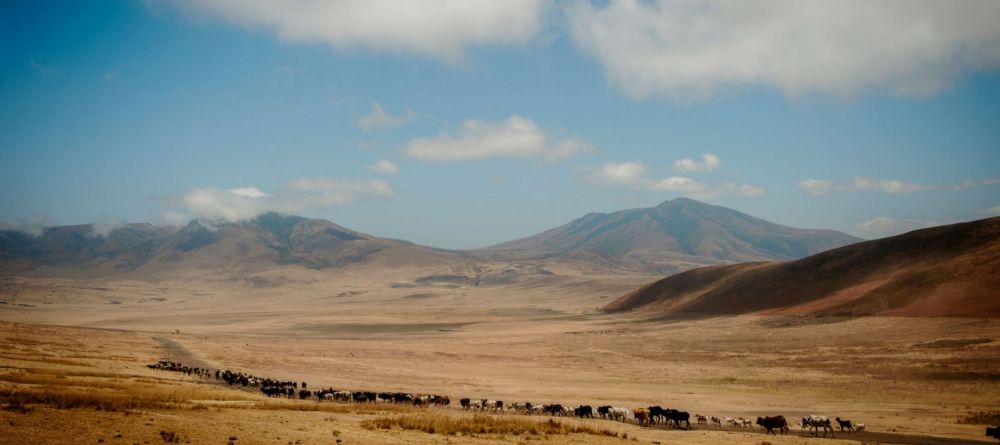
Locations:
(533, 115)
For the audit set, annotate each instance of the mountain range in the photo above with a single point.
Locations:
(677, 235)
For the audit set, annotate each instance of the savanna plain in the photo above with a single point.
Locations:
(74, 354)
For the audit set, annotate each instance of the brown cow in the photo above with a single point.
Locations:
(641, 415)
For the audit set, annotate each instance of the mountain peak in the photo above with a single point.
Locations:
(684, 228)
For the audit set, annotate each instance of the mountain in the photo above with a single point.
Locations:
(678, 232)
(951, 270)
(268, 240)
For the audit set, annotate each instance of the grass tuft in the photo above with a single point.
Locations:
(480, 425)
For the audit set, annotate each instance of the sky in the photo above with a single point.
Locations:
(464, 123)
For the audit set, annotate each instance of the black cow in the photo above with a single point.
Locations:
(677, 417)
(584, 411)
(771, 423)
(655, 412)
(464, 402)
(604, 411)
(993, 431)
(845, 424)
(555, 410)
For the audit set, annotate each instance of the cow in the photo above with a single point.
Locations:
(465, 402)
(584, 411)
(554, 410)
(621, 414)
(859, 427)
(677, 417)
(604, 411)
(715, 421)
(746, 422)
(655, 412)
(521, 407)
(702, 420)
(537, 409)
(641, 416)
(771, 423)
(476, 405)
(993, 431)
(845, 424)
(815, 422)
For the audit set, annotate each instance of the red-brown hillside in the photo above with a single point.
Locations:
(951, 270)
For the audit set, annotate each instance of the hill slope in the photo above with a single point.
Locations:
(678, 230)
(951, 270)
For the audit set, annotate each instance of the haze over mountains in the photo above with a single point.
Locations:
(941, 271)
(676, 235)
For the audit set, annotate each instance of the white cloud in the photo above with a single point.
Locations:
(441, 29)
(688, 50)
(815, 187)
(249, 192)
(385, 167)
(818, 187)
(633, 174)
(105, 225)
(991, 181)
(624, 173)
(891, 186)
(301, 196)
(991, 211)
(379, 118)
(515, 136)
(32, 225)
(708, 163)
(883, 226)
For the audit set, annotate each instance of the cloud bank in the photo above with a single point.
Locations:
(441, 29)
(688, 50)
(819, 187)
(633, 174)
(301, 196)
(516, 137)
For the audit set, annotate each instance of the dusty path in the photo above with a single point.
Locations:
(174, 351)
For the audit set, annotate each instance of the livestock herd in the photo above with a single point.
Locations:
(652, 415)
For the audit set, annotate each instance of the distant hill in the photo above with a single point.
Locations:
(681, 232)
(268, 240)
(951, 270)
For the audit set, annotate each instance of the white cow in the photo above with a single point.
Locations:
(816, 422)
(621, 414)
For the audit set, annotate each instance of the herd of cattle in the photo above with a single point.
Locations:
(643, 416)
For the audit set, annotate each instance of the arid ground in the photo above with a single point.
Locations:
(909, 380)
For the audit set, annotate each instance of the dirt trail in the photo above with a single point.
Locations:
(176, 352)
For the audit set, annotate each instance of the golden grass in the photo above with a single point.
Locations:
(480, 425)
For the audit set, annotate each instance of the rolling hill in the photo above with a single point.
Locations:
(951, 270)
(676, 235)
